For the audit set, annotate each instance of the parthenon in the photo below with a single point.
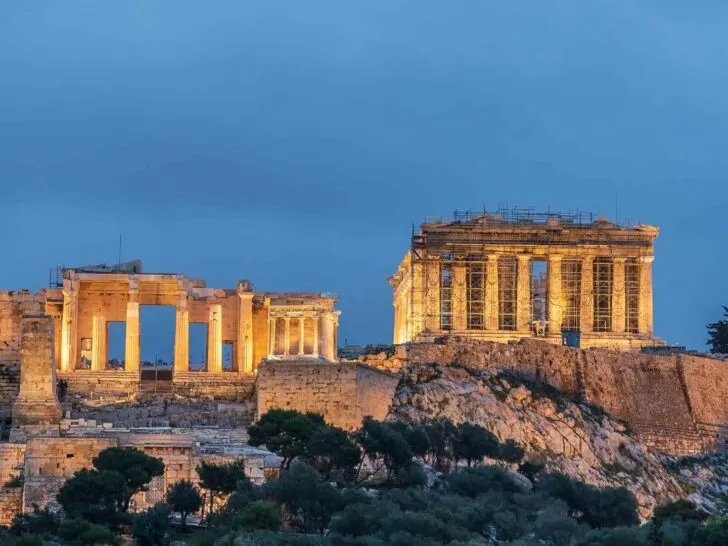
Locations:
(568, 278)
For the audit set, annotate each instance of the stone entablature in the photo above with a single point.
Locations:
(257, 325)
(505, 277)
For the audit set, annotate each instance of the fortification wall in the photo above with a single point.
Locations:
(535, 359)
(344, 394)
(706, 384)
(668, 399)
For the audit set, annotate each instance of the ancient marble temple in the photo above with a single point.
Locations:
(256, 326)
(567, 278)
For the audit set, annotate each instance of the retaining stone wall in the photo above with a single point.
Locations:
(344, 394)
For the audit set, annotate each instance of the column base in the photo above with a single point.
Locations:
(36, 412)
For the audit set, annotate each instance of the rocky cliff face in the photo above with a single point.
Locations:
(568, 436)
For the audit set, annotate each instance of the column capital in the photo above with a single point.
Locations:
(245, 286)
(555, 257)
(619, 259)
(646, 259)
(525, 257)
(493, 256)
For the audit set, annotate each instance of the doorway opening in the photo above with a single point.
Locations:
(228, 356)
(198, 346)
(115, 345)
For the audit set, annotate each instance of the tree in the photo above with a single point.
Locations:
(184, 497)
(37, 523)
(259, 515)
(619, 536)
(472, 482)
(440, 435)
(309, 501)
(718, 334)
(610, 507)
(510, 452)
(329, 448)
(220, 479)
(150, 528)
(136, 468)
(531, 470)
(667, 515)
(79, 532)
(383, 442)
(285, 432)
(473, 442)
(92, 495)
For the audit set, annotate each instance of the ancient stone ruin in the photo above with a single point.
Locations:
(517, 273)
(484, 292)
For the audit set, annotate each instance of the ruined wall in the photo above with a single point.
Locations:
(13, 305)
(344, 394)
(224, 386)
(49, 462)
(11, 503)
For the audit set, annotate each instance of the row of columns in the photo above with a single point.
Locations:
(428, 280)
(132, 344)
(323, 336)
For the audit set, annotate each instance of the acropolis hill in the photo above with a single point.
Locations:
(554, 298)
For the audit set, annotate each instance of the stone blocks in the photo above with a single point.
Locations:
(37, 402)
(343, 393)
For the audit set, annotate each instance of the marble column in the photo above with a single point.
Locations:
(555, 299)
(271, 336)
(301, 336)
(459, 297)
(67, 329)
(646, 327)
(432, 296)
(214, 339)
(182, 335)
(586, 312)
(619, 296)
(316, 351)
(98, 327)
(328, 336)
(491, 294)
(132, 345)
(523, 293)
(245, 333)
(287, 337)
(418, 298)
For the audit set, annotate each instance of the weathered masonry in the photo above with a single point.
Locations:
(515, 274)
(255, 326)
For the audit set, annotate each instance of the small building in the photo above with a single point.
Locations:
(568, 278)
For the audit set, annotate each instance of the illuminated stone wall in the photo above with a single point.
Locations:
(344, 394)
(676, 403)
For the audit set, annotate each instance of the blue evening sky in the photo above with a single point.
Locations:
(294, 143)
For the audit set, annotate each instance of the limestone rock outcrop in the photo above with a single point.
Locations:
(569, 436)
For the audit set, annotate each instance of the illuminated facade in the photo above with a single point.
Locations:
(516, 273)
